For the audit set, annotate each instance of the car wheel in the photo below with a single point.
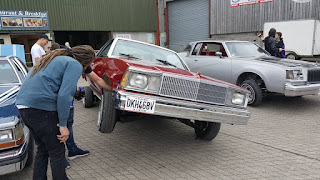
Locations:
(88, 99)
(30, 151)
(108, 115)
(292, 56)
(255, 95)
(207, 130)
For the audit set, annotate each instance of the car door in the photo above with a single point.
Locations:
(205, 59)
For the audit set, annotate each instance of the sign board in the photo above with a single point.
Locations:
(126, 36)
(235, 3)
(23, 20)
(13, 50)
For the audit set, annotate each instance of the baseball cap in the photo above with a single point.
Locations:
(44, 37)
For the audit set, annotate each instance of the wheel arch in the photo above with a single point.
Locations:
(252, 75)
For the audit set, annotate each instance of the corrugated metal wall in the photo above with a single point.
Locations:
(92, 15)
(188, 21)
(250, 18)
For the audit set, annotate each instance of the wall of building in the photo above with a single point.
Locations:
(250, 18)
(238, 36)
(92, 15)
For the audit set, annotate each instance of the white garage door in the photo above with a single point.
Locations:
(188, 21)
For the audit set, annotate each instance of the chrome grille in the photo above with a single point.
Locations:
(176, 87)
(212, 93)
(193, 90)
(314, 75)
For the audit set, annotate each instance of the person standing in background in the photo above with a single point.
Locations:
(37, 50)
(269, 41)
(280, 47)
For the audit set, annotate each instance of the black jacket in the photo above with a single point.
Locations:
(270, 45)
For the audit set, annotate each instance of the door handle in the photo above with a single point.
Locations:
(196, 60)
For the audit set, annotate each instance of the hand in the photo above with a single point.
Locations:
(280, 49)
(64, 131)
(259, 34)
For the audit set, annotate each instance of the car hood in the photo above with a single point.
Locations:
(151, 66)
(286, 62)
(8, 110)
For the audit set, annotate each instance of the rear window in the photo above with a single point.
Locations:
(7, 74)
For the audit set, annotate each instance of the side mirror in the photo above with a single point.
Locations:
(219, 54)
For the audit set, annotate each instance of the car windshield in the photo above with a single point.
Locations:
(245, 49)
(7, 74)
(146, 52)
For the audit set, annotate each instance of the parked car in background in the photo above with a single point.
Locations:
(16, 142)
(248, 65)
(153, 80)
(301, 37)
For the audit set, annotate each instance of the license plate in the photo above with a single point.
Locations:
(140, 105)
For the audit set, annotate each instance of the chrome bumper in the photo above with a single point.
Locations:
(310, 89)
(187, 110)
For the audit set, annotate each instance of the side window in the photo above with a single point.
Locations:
(196, 49)
(211, 48)
(106, 49)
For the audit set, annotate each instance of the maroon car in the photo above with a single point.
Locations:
(153, 80)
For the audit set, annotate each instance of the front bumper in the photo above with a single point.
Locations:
(310, 89)
(14, 160)
(187, 110)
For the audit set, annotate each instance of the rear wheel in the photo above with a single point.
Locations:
(88, 99)
(108, 115)
(207, 130)
(255, 95)
(293, 56)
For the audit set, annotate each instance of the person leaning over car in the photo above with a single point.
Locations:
(73, 150)
(44, 105)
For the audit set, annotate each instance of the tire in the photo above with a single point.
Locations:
(255, 96)
(108, 115)
(206, 130)
(88, 99)
(30, 151)
(292, 56)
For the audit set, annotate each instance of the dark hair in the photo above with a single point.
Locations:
(279, 34)
(272, 32)
(84, 54)
(55, 46)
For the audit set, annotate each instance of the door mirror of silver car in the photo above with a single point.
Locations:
(219, 54)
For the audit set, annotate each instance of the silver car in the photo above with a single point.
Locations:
(248, 65)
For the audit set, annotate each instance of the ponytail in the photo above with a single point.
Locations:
(84, 54)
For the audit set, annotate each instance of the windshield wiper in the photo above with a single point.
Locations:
(128, 55)
(166, 62)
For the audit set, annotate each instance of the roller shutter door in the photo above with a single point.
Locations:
(188, 21)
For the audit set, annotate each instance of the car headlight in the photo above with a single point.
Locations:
(141, 81)
(138, 80)
(6, 136)
(238, 99)
(12, 137)
(294, 74)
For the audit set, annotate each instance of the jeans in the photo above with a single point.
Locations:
(71, 145)
(43, 127)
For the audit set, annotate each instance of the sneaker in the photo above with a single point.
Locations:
(77, 153)
(67, 165)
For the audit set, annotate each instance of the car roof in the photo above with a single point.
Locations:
(218, 41)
